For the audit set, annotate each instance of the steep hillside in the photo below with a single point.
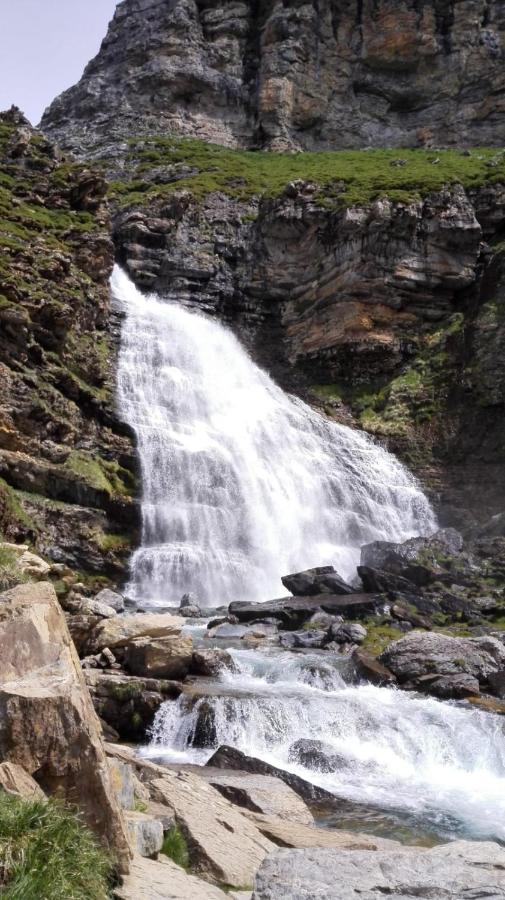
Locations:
(66, 464)
(284, 74)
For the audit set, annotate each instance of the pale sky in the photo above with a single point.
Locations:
(44, 47)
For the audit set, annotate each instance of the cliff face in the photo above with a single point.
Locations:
(286, 73)
(66, 465)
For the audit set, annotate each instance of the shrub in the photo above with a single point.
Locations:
(47, 853)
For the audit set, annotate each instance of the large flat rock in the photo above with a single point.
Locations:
(265, 794)
(122, 629)
(294, 610)
(161, 879)
(49, 726)
(300, 836)
(225, 846)
(462, 870)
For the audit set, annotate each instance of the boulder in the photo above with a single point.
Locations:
(81, 628)
(33, 566)
(421, 653)
(367, 666)
(454, 871)
(111, 598)
(14, 780)
(146, 833)
(188, 600)
(231, 758)
(49, 726)
(212, 662)
(128, 704)
(162, 879)
(260, 793)
(163, 657)
(449, 687)
(304, 639)
(316, 755)
(294, 611)
(350, 633)
(417, 560)
(322, 580)
(95, 608)
(228, 631)
(122, 629)
(225, 846)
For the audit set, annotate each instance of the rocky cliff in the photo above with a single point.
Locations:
(66, 464)
(287, 73)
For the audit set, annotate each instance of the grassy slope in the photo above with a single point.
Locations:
(345, 177)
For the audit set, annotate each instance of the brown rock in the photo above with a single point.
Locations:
(14, 780)
(164, 657)
(121, 630)
(49, 725)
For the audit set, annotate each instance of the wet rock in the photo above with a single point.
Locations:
(128, 705)
(226, 630)
(448, 687)
(212, 662)
(49, 725)
(204, 732)
(317, 755)
(191, 612)
(369, 667)
(321, 621)
(417, 560)
(497, 683)
(419, 654)
(351, 633)
(451, 871)
(112, 599)
(489, 704)
(231, 758)
(307, 640)
(322, 580)
(164, 657)
(294, 611)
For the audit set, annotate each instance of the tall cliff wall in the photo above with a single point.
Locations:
(288, 74)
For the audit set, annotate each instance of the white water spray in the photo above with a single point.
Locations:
(442, 765)
(241, 482)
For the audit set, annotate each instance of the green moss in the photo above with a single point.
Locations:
(346, 177)
(12, 514)
(379, 635)
(113, 542)
(10, 575)
(47, 853)
(175, 847)
(100, 474)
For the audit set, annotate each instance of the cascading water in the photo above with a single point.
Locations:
(242, 483)
(440, 765)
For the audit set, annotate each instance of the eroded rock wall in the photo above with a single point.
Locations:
(67, 470)
(286, 73)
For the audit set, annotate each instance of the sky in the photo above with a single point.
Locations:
(44, 47)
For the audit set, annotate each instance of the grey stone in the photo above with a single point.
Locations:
(322, 580)
(111, 598)
(420, 653)
(146, 833)
(457, 871)
(352, 633)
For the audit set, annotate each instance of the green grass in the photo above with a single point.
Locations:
(10, 575)
(346, 177)
(46, 853)
(176, 848)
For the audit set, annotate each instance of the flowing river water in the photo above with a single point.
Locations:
(242, 484)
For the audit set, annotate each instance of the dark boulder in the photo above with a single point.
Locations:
(306, 640)
(316, 755)
(322, 580)
(292, 612)
(350, 633)
(448, 687)
(368, 667)
(212, 662)
(417, 560)
(231, 758)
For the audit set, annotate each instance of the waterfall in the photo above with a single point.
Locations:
(241, 483)
(440, 766)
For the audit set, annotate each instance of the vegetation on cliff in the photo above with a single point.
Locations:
(159, 165)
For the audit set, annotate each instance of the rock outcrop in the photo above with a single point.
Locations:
(315, 75)
(48, 725)
(66, 464)
(450, 872)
